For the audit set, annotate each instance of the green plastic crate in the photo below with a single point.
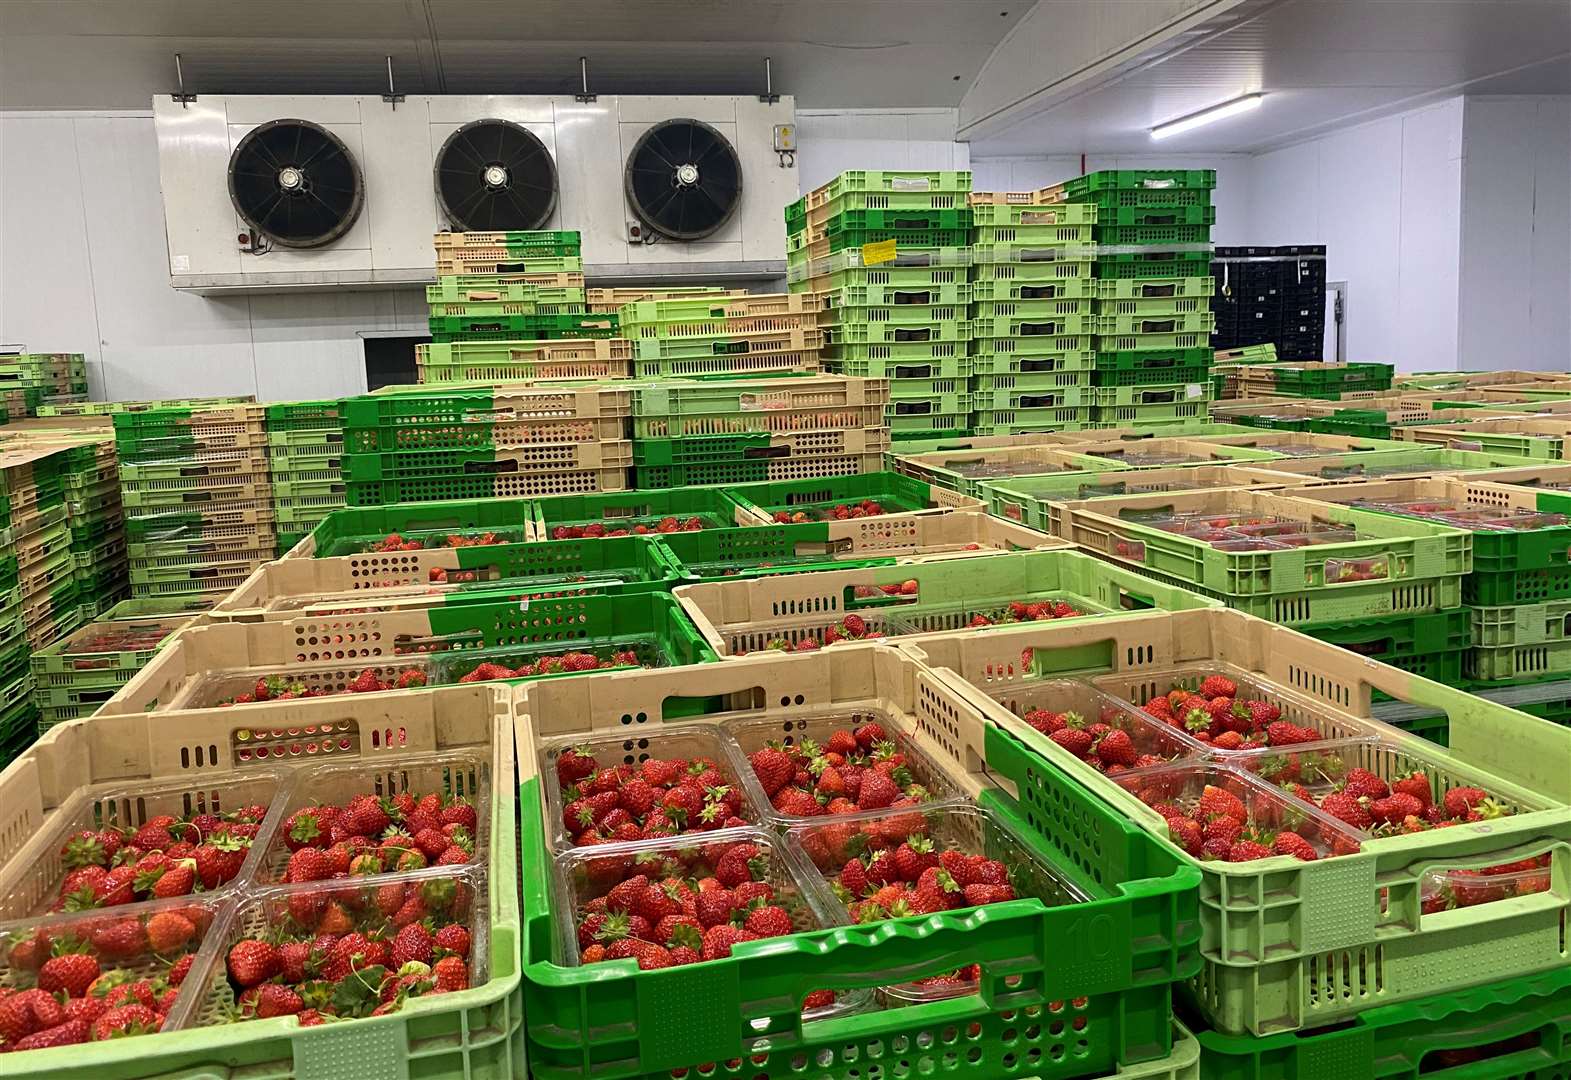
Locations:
(897, 296)
(1151, 235)
(1265, 921)
(1167, 392)
(1417, 462)
(1074, 260)
(1515, 1028)
(895, 368)
(761, 550)
(1145, 377)
(712, 507)
(899, 331)
(1027, 399)
(992, 310)
(1026, 290)
(855, 240)
(1522, 624)
(892, 181)
(350, 531)
(1026, 324)
(1072, 237)
(525, 327)
(1095, 183)
(1042, 215)
(987, 363)
(1103, 416)
(1154, 264)
(1438, 632)
(1036, 266)
(602, 1021)
(903, 315)
(1388, 548)
(815, 498)
(897, 220)
(1513, 663)
(796, 213)
(884, 277)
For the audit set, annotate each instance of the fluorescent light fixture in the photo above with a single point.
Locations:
(1207, 116)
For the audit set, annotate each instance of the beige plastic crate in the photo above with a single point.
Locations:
(115, 762)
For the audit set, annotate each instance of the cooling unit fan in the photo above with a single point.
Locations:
(495, 175)
(296, 183)
(683, 179)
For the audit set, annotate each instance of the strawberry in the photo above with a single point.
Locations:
(252, 962)
(877, 791)
(450, 974)
(913, 857)
(737, 866)
(307, 864)
(1290, 843)
(1364, 784)
(714, 907)
(1415, 784)
(66, 1034)
(841, 742)
(870, 735)
(1116, 748)
(1347, 808)
(1393, 809)
(168, 931)
(452, 938)
(413, 942)
(769, 921)
(1076, 740)
(1228, 740)
(126, 1020)
(1215, 802)
(178, 880)
(1215, 686)
(977, 895)
(1248, 851)
(1459, 801)
(774, 769)
(1186, 833)
(1283, 733)
(366, 683)
(69, 971)
(1262, 713)
(573, 765)
(718, 941)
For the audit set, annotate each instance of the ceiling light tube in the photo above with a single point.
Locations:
(1207, 116)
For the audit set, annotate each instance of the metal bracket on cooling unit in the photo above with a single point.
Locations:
(392, 97)
(182, 97)
(584, 97)
(769, 97)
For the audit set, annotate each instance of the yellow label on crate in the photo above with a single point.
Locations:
(881, 252)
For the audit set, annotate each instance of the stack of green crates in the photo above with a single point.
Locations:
(44, 378)
(97, 520)
(111, 408)
(491, 300)
(719, 430)
(887, 252)
(697, 336)
(1153, 319)
(39, 540)
(305, 447)
(198, 497)
(74, 676)
(514, 440)
(1031, 315)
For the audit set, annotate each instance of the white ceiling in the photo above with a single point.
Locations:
(1322, 63)
(59, 54)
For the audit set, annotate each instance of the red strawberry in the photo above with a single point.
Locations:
(976, 895)
(450, 974)
(1460, 800)
(1290, 843)
(714, 907)
(1345, 807)
(1365, 784)
(68, 971)
(126, 1020)
(1215, 802)
(1076, 740)
(1186, 833)
(1215, 686)
(252, 962)
(718, 941)
(774, 769)
(769, 921)
(168, 931)
(1394, 808)
(1415, 784)
(877, 791)
(412, 943)
(913, 857)
(870, 735)
(1247, 851)
(1116, 748)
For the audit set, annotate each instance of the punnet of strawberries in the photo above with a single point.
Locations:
(1227, 714)
(672, 905)
(853, 769)
(375, 834)
(396, 542)
(109, 640)
(1413, 800)
(1215, 814)
(97, 977)
(922, 862)
(288, 688)
(650, 526)
(573, 661)
(847, 511)
(1446, 890)
(661, 796)
(1109, 735)
(166, 856)
(335, 953)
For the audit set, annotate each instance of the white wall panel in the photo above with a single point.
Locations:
(1385, 198)
(156, 342)
(46, 285)
(1516, 233)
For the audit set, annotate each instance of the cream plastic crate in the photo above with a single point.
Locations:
(1312, 943)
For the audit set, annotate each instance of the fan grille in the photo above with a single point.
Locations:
(495, 175)
(683, 179)
(296, 183)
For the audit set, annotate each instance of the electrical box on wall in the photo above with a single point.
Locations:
(272, 192)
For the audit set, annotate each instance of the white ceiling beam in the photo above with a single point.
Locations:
(1063, 47)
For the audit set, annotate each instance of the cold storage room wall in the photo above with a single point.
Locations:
(1515, 309)
(1385, 197)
